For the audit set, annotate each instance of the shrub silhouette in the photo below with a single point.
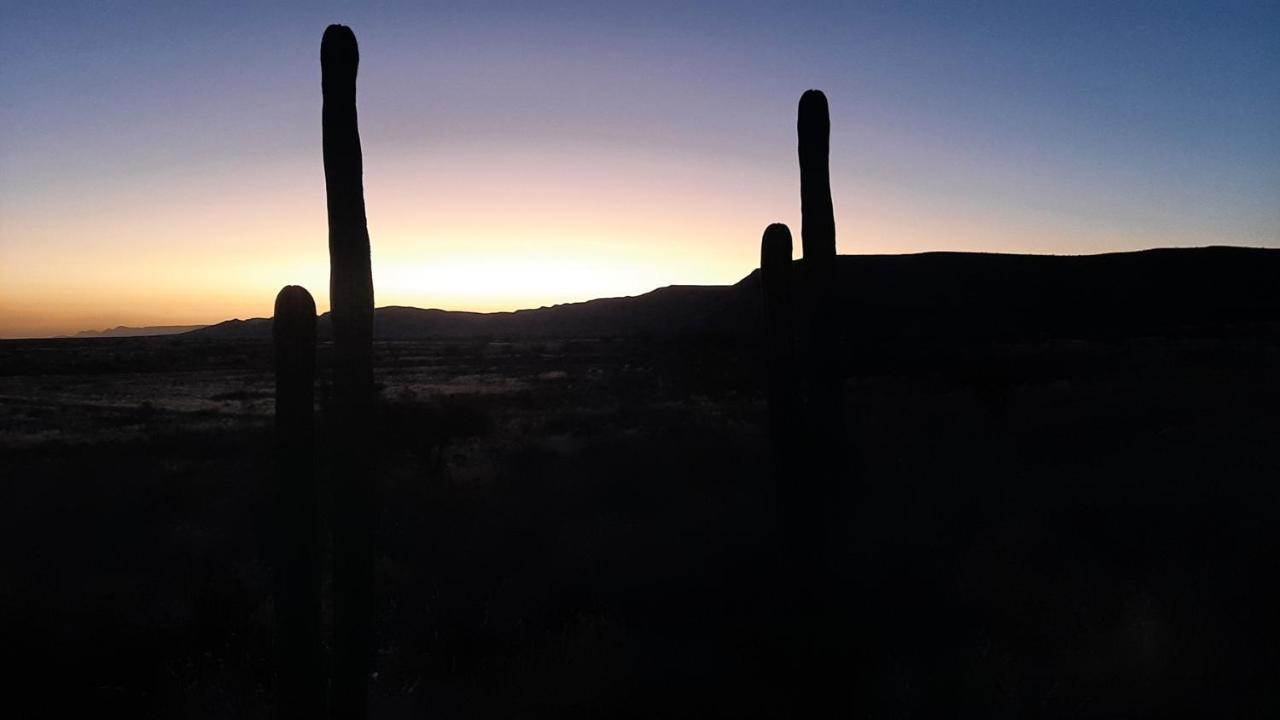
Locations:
(297, 560)
(351, 298)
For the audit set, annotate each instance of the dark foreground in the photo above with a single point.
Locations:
(584, 528)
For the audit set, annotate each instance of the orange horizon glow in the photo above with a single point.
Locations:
(536, 156)
(546, 230)
(557, 241)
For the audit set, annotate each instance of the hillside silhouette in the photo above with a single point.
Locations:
(937, 296)
(126, 331)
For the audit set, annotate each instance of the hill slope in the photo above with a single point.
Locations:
(148, 331)
(939, 295)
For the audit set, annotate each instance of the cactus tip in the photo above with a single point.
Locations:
(813, 109)
(777, 235)
(775, 243)
(339, 46)
(293, 300)
(813, 96)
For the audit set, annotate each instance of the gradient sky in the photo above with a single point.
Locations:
(160, 162)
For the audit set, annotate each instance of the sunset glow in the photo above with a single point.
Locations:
(162, 165)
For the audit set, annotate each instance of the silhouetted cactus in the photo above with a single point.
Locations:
(775, 283)
(823, 397)
(350, 275)
(818, 223)
(351, 298)
(297, 556)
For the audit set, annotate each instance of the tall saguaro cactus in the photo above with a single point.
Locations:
(818, 236)
(351, 298)
(297, 560)
(350, 276)
(818, 223)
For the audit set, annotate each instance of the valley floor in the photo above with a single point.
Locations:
(584, 528)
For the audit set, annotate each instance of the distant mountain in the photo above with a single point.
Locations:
(662, 311)
(928, 296)
(123, 331)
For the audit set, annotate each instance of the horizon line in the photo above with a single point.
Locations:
(89, 334)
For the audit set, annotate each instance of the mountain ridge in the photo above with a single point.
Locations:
(924, 295)
(142, 331)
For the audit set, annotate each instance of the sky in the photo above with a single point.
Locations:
(160, 162)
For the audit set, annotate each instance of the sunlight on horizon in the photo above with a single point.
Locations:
(508, 283)
(573, 155)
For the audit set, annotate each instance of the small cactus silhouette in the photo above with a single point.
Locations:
(775, 281)
(351, 298)
(782, 389)
(297, 560)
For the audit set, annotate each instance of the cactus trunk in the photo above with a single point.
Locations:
(821, 372)
(782, 390)
(350, 275)
(351, 298)
(823, 398)
(818, 223)
(297, 550)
